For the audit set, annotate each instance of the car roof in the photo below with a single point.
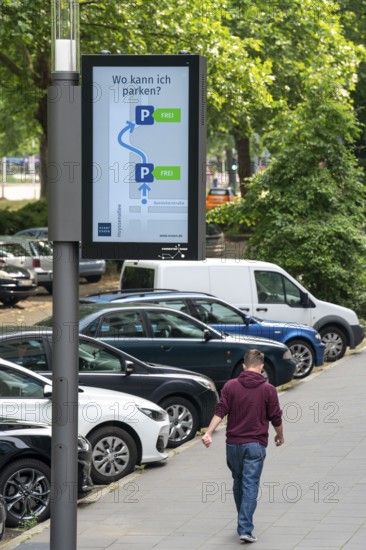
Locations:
(8, 333)
(104, 308)
(149, 293)
(13, 238)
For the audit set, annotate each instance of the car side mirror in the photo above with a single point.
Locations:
(130, 367)
(47, 390)
(304, 299)
(207, 335)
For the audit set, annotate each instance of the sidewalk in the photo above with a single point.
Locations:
(313, 489)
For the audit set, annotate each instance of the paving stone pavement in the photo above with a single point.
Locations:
(313, 488)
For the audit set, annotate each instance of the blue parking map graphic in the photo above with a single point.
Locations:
(140, 156)
(146, 172)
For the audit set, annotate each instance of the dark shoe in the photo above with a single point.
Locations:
(248, 538)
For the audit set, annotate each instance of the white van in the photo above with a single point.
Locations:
(260, 289)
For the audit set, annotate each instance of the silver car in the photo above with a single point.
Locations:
(29, 254)
(91, 270)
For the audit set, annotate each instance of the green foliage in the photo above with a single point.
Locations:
(229, 216)
(27, 524)
(308, 207)
(34, 214)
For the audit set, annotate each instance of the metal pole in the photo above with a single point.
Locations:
(64, 214)
(65, 396)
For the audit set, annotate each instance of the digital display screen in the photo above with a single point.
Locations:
(140, 154)
(143, 156)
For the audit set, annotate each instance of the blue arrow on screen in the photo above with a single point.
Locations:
(130, 126)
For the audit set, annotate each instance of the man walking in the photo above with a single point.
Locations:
(250, 403)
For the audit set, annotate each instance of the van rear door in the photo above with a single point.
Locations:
(232, 284)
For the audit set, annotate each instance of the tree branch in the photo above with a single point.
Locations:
(13, 68)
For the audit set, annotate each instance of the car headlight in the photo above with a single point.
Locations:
(317, 336)
(205, 382)
(287, 354)
(83, 444)
(155, 414)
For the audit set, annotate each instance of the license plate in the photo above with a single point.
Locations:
(26, 282)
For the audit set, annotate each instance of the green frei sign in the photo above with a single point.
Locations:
(167, 115)
(166, 172)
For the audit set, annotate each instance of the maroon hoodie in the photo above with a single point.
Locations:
(250, 403)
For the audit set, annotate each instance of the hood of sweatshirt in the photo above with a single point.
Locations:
(250, 379)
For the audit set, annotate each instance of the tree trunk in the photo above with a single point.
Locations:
(243, 147)
(42, 79)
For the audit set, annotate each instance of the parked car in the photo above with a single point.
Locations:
(35, 232)
(30, 254)
(91, 270)
(25, 469)
(128, 429)
(219, 195)
(162, 335)
(256, 287)
(304, 342)
(188, 398)
(16, 283)
(215, 240)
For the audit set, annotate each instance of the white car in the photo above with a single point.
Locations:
(123, 429)
(33, 255)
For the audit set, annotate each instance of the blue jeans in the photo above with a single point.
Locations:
(246, 463)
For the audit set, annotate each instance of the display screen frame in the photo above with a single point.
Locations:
(193, 247)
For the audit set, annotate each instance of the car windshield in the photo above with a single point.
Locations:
(42, 248)
(94, 358)
(220, 192)
(18, 384)
(13, 250)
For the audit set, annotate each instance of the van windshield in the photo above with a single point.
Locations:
(137, 277)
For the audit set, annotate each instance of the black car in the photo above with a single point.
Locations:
(16, 283)
(165, 336)
(25, 469)
(189, 398)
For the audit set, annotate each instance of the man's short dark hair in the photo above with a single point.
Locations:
(253, 357)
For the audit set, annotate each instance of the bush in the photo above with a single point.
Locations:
(229, 216)
(34, 214)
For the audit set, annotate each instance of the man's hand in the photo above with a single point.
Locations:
(207, 440)
(279, 440)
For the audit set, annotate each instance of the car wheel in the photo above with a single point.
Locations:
(303, 356)
(26, 486)
(268, 374)
(2, 517)
(114, 454)
(335, 343)
(183, 419)
(2, 529)
(93, 278)
(9, 302)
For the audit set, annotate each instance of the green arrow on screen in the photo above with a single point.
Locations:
(166, 115)
(166, 172)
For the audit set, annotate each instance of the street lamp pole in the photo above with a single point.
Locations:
(64, 220)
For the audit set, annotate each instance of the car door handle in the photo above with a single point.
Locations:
(245, 308)
(262, 309)
(166, 348)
